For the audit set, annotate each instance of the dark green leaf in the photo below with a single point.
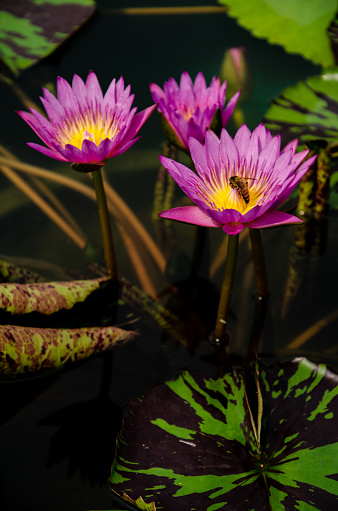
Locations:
(298, 26)
(309, 110)
(189, 444)
(32, 29)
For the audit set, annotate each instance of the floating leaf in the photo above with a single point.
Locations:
(12, 273)
(309, 110)
(32, 29)
(27, 351)
(45, 298)
(139, 503)
(298, 27)
(191, 444)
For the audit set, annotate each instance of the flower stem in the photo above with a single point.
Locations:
(259, 263)
(226, 292)
(262, 295)
(107, 236)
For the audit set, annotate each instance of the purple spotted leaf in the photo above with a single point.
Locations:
(12, 273)
(196, 444)
(31, 29)
(47, 297)
(28, 351)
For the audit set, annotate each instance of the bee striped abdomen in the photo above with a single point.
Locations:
(241, 186)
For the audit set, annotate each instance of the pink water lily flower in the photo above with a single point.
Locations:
(189, 109)
(85, 127)
(239, 182)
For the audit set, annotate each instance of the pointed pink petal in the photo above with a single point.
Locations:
(156, 92)
(230, 108)
(190, 215)
(138, 121)
(291, 145)
(242, 140)
(66, 95)
(228, 152)
(94, 91)
(273, 219)
(293, 182)
(119, 149)
(48, 152)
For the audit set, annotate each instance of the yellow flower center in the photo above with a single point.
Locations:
(86, 128)
(187, 112)
(242, 196)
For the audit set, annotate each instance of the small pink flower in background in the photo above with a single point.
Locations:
(264, 177)
(189, 109)
(85, 127)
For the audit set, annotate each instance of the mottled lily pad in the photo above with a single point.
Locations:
(32, 29)
(27, 352)
(45, 298)
(196, 443)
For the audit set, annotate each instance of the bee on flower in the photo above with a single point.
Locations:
(269, 173)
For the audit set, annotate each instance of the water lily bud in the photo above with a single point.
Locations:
(235, 69)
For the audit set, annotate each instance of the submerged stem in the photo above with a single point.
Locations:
(259, 263)
(262, 295)
(107, 236)
(226, 292)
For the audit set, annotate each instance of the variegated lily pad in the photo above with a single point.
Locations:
(45, 298)
(309, 110)
(191, 443)
(26, 351)
(32, 29)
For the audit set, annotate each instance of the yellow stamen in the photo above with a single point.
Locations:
(88, 129)
(223, 196)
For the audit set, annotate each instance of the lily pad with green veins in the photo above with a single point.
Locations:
(190, 444)
(308, 111)
(300, 27)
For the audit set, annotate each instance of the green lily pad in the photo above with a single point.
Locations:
(300, 27)
(308, 111)
(32, 29)
(192, 443)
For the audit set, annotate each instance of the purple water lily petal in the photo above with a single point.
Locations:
(190, 215)
(46, 151)
(233, 228)
(189, 108)
(85, 126)
(274, 218)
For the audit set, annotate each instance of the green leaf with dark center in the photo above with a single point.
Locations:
(300, 27)
(32, 29)
(309, 110)
(189, 444)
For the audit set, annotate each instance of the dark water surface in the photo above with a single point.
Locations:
(58, 433)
